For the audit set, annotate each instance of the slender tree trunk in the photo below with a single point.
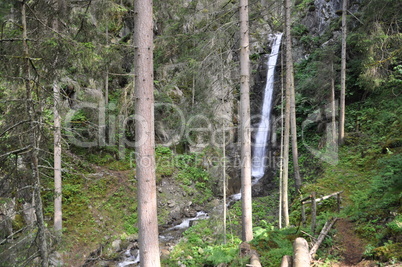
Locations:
(145, 134)
(57, 163)
(35, 140)
(288, 116)
(291, 88)
(333, 109)
(247, 233)
(224, 182)
(343, 75)
(285, 204)
(281, 156)
(107, 72)
(60, 7)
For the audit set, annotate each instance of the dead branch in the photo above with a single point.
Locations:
(16, 151)
(322, 235)
(322, 198)
(13, 126)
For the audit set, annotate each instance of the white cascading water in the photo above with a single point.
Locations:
(261, 137)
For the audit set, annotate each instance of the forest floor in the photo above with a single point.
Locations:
(350, 245)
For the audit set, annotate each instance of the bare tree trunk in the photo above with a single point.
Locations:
(224, 181)
(60, 8)
(247, 233)
(290, 86)
(35, 140)
(285, 178)
(285, 204)
(343, 75)
(281, 156)
(107, 71)
(145, 134)
(57, 163)
(333, 108)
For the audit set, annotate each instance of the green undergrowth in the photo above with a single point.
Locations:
(202, 246)
(369, 174)
(99, 205)
(99, 196)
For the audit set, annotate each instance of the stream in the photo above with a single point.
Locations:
(131, 256)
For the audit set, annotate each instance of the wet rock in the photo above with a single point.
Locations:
(165, 254)
(189, 212)
(171, 203)
(175, 215)
(132, 238)
(197, 207)
(116, 245)
(103, 264)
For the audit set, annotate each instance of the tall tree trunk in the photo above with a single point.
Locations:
(57, 162)
(333, 109)
(285, 175)
(35, 140)
(60, 8)
(107, 71)
(145, 134)
(247, 232)
(343, 75)
(281, 156)
(224, 180)
(291, 88)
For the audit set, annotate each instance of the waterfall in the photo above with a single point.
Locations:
(261, 137)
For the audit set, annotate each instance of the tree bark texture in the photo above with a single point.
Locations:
(144, 133)
(247, 233)
(313, 213)
(301, 257)
(57, 162)
(291, 88)
(255, 260)
(285, 175)
(343, 75)
(286, 261)
(333, 109)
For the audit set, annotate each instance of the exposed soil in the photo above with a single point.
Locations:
(351, 246)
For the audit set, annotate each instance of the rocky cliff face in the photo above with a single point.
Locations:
(319, 15)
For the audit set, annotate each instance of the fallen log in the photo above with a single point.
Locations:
(322, 235)
(254, 261)
(286, 261)
(301, 257)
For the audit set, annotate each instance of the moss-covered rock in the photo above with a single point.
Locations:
(389, 252)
